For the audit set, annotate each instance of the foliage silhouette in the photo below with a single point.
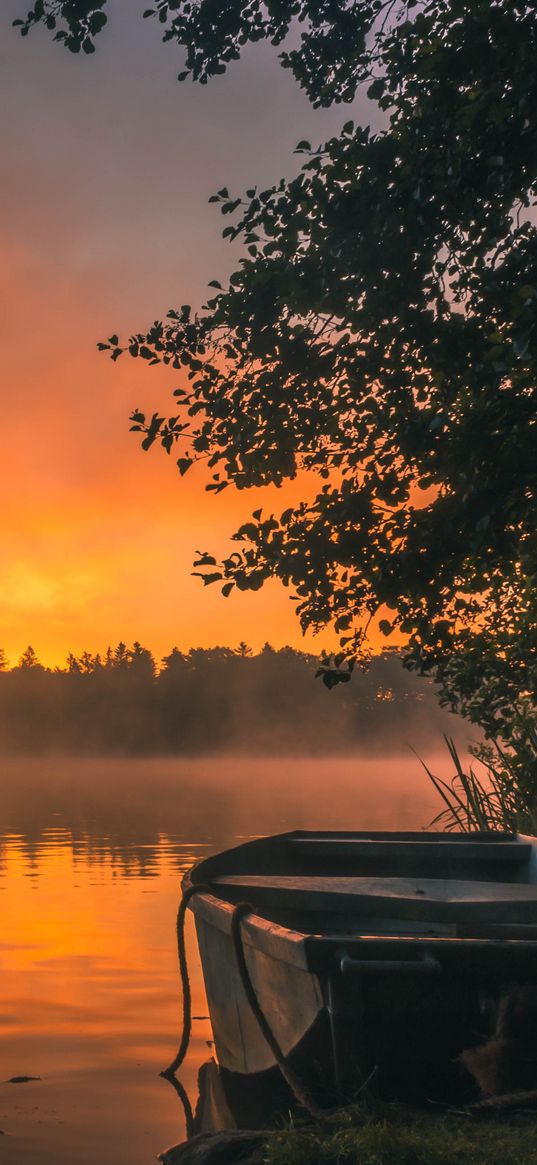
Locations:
(380, 331)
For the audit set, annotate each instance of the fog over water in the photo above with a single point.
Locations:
(125, 803)
(91, 854)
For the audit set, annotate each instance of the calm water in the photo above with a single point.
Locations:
(91, 856)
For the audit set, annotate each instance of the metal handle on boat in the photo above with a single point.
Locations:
(427, 965)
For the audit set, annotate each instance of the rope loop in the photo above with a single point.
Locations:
(185, 981)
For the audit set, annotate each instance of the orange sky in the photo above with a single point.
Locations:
(105, 224)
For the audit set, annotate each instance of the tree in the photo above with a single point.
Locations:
(29, 661)
(86, 664)
(243, 650)
(141, 663)
(380, 331)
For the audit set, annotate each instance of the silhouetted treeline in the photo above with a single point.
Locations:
(211, 700)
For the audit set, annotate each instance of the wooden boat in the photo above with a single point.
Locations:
(368, 952)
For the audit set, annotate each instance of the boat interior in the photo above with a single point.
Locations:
(384, 883)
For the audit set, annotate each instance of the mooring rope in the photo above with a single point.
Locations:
(185, 981)
(299, 1089)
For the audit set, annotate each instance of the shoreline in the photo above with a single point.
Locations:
(386, 1134)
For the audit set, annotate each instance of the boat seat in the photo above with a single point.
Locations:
(437, 899)
(457, 851)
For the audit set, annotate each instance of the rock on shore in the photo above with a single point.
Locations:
(234, 1147)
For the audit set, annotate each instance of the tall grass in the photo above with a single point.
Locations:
(493, 796)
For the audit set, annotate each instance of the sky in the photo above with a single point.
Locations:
(105, 224)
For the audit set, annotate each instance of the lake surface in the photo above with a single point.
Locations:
(91, 858)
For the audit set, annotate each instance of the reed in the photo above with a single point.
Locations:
(495, 792)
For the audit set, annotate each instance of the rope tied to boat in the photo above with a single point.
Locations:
(299, 1089)
(185, 981)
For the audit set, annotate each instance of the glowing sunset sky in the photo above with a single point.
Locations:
(108, 166)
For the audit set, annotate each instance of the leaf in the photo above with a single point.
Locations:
(248, 530)
(21, 1079)
(376, 90)
(205, 560)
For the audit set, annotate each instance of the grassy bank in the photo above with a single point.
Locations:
(396, 1137)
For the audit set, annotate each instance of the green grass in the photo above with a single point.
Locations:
(398, 1138)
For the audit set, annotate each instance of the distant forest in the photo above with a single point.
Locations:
(209, 700)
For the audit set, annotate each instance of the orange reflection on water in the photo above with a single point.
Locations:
(89, 885)
(90, 1003)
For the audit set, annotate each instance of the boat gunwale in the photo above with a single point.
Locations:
(280, 942)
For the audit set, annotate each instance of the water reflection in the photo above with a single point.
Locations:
(91, 854)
